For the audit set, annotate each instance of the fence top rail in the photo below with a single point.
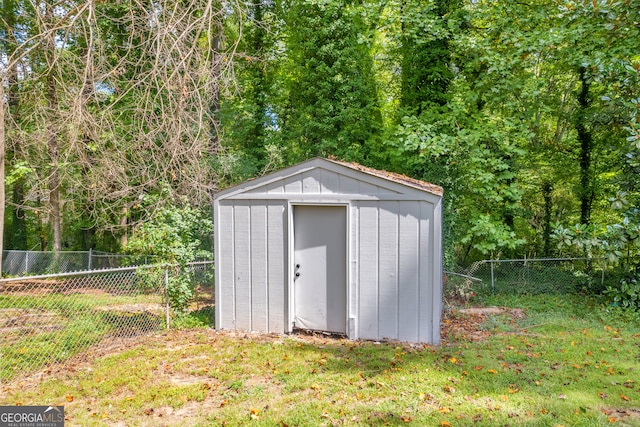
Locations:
(90, 252)
(451, 273)
(100, 271)
(541, 259)
(46, 252)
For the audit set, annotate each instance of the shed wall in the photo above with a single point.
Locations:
(399, 271)
(252, 265)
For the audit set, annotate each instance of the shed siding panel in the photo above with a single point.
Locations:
(274, 187)
(368, 189)
(426, 273)
(225, 263)
(409, 268)
(259, 267)
(348, 185)
(436, 277)
(293, 185)
(311, 182)
(242, 264)
(330, 182)
(277, 270)
(353, 251)
(388, 270)
(368, 266)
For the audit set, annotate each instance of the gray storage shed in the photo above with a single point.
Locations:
(330, 246)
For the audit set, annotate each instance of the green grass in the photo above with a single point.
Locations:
(40, 330)
(570, 361)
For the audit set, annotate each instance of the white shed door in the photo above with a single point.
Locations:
(320, 263)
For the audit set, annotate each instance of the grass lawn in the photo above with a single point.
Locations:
(561, 361)
(36, 329)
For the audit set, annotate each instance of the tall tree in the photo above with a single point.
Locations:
(332, 107)
(125, 123)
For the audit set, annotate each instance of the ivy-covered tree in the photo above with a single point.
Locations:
(331, 106)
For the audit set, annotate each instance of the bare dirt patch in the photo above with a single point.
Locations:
(467, 323)
(624, 415)
(16, 323)
(132, 308)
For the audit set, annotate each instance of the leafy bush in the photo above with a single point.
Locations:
(627, 293)
(203, 318)
(174, 237)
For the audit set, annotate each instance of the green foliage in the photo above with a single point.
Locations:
(473, 161)
(203, 318)
(627, 293)
(331, 106)
(174, 237)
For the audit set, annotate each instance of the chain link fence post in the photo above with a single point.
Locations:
(166, 296)
(493, 279)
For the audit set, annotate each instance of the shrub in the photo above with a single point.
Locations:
(627, 293)
(175, 236)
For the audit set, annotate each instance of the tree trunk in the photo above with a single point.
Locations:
(52, 139)
(214, 101)
(16, 233)
(547, 189)
(586, 148)
(2, 153)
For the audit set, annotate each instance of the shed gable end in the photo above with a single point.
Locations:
(321, 181)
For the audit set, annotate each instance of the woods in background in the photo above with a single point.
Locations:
(524, 112)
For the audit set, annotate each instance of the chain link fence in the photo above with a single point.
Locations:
(529, 276)
(48, 319)
(23, 263)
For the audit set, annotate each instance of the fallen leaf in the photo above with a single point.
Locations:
(445, 410)
(602, 395)
(623, 397)
(69, 398)
(445, 424)
(562, 396)
(492, 371)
